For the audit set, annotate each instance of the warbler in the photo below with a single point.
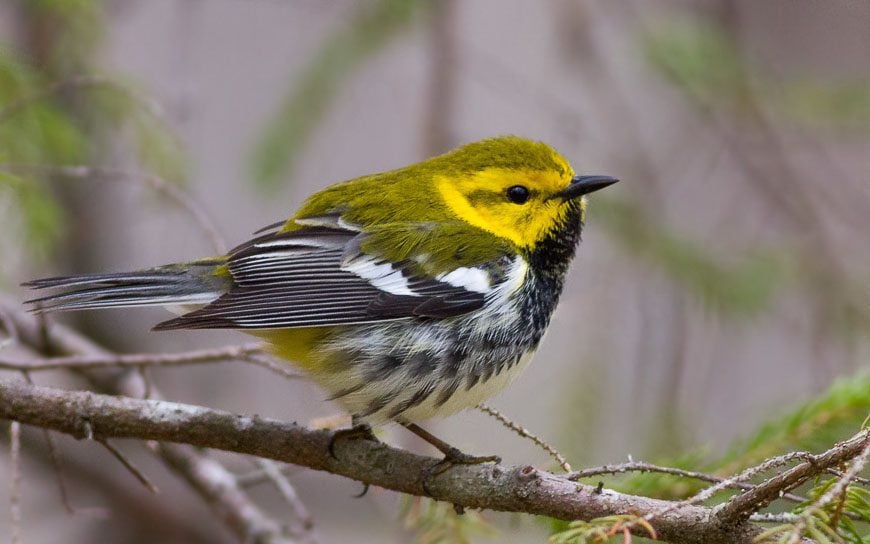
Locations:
(407, 294)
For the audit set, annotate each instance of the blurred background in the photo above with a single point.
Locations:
(724, 283)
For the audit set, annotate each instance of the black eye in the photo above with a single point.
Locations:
(518, 194)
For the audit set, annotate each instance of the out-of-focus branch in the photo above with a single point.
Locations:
(15, 482)
(249, 353)
(158, 184)
(135, 360)
(215, 485)
(218, 487)
(80, 82)
(516, 489)
(144, 517)
(298, 512)
(128, 464)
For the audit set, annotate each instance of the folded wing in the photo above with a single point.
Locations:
(318, 276)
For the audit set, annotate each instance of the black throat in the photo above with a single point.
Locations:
(548, 263)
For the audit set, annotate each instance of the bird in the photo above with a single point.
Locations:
(406, 295)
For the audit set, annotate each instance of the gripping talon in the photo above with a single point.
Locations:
(454, 457)
(362, 493)
(357, 432)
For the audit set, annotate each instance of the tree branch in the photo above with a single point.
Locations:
(495, 487)
(641, 466)
(742, 506)
(515, 489)
(215, 485)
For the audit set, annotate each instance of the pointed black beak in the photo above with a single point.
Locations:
(582, 185)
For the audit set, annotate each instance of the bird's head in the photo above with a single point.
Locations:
(517, 189)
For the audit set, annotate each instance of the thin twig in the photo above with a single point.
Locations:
(170, 190)
(774, 518)
(277, 366)
(249, 353)
(525, 433)
(128, 464)
(54, 457)
(856, 479)
(198, 214)
(640, 466)
(133, 360)
(57, 466)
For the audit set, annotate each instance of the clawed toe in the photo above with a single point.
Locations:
(454, 457)
(356, 432)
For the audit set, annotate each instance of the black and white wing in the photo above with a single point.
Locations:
(318, 276)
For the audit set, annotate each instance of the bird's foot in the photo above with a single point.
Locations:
(361, 431)
(452, 457)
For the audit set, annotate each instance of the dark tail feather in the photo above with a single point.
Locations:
(191, 283)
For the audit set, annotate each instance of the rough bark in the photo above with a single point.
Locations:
(489, 486)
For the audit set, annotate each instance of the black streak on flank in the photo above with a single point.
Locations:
(446, 393)
(417, 398)
(421, 364)
(379, 403)
(383, 367)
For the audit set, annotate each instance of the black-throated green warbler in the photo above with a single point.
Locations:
(406, 294)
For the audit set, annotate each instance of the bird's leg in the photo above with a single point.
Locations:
(452, 455)
(358, 430)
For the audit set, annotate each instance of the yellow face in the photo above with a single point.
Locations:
(519, 205)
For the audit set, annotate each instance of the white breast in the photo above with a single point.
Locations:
(376, 400)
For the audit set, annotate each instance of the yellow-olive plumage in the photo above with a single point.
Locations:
(407, 294)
